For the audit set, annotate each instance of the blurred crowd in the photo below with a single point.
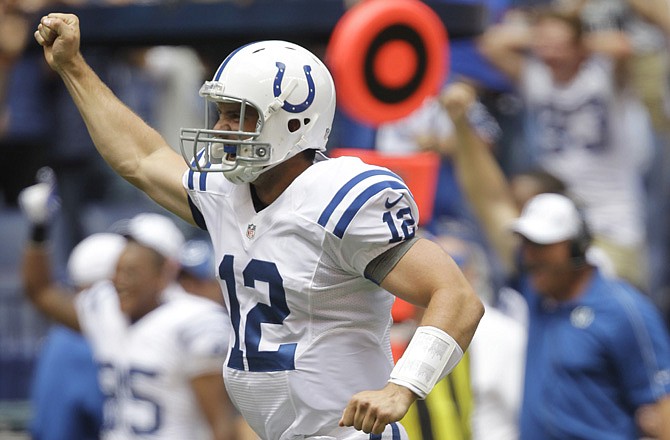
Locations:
(571, 97)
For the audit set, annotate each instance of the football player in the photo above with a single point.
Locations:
(309, 252)
(158, 349)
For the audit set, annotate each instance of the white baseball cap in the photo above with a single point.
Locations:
(549, 218)
(157, 232)
(94, 258)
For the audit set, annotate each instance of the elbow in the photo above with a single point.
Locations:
(128, 169)
(477, 307)
(472, 308)
(470, 312)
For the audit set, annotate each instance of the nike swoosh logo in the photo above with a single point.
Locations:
(388, 204)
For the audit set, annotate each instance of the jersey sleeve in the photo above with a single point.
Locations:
(204, 341)
(371, 213)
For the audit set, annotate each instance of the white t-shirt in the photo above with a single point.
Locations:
(146, 367)
(309, 330)
(595, 140)
(497, 358)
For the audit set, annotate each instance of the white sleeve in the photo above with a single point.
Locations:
(376, 215)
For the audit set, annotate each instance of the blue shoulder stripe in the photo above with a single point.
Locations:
(359, 201)
(203, 178)
(341, 194)
(191, 173)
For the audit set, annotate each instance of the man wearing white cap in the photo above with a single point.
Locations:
(158, 348)
(598, 352)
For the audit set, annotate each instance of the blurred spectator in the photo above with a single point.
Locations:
(647, 24)
(598, 354)
(66, 398)
(585, 125)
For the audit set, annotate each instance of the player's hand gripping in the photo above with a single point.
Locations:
(59, 35)
(371, 411)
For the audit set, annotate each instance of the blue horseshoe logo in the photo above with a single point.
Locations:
(294, 108)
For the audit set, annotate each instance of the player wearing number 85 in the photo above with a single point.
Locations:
(308, 254)
(158, 349)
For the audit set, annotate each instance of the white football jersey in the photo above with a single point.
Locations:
(309, 330)
(591, 135)
(145, 368)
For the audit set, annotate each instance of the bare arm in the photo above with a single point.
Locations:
(39, 287)
(663, 408)
(428, 277)
(216, 406)
(132, 148)
(654, 419)
(504, 46)
(481, 178)
(616, 46)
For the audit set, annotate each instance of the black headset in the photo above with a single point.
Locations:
(582, 241)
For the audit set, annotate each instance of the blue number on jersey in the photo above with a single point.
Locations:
(275, 313)
(407, 225)
(147, 401)
(125, 383)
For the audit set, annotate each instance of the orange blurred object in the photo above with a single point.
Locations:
(387, 57)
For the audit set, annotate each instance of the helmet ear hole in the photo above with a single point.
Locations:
(306, 121)
(294, 125)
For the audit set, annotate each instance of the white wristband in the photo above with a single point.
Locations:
(429, 357)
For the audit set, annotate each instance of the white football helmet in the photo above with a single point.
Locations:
(294, 95)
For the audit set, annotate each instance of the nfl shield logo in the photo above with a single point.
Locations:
(251, 231)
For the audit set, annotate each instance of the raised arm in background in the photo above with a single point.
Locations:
(481, 177)
(39, 285)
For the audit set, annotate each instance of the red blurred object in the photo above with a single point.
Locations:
(418, 170)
